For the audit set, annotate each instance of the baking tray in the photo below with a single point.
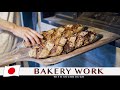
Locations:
(21, 54)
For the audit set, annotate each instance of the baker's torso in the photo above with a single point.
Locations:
(7, 40)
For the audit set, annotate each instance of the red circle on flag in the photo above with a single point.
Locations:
(11, 70)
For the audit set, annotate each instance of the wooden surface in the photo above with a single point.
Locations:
(22, 55)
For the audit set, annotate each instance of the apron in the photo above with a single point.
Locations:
(8, 41)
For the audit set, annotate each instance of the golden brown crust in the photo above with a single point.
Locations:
(62, 40)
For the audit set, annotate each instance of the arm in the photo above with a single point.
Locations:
(30, 36)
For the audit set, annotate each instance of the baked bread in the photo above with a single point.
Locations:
(62, 40)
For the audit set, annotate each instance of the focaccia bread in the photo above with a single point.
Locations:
(62, 40)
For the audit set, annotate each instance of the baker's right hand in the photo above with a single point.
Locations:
(31, 37)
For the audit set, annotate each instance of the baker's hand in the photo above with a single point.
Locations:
(30, 36)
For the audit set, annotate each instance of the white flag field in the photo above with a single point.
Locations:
(16, 70)
(11, 71)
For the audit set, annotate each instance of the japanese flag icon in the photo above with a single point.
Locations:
(11, 71)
